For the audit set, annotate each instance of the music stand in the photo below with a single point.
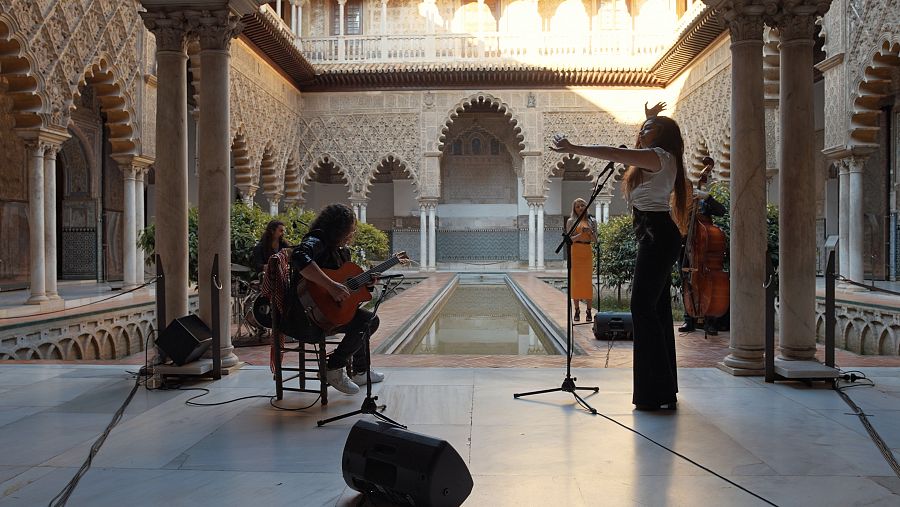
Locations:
(368, 405)
(568, 383)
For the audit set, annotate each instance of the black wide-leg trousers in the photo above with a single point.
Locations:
(659, 241)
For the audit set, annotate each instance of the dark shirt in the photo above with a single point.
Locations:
(711, 207)
(313, 249)
(260, 255)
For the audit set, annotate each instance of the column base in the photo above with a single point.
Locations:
(53, 297)
(741, 372)
(804, 354)
(229, 358)
(739, 366)
(37, 300)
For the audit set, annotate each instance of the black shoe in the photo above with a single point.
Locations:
(587, 317)
(711, 331)
(577, 317)
(687, 328)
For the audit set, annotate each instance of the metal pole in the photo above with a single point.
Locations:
(829, 311)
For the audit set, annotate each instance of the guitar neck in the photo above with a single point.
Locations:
(365, 277)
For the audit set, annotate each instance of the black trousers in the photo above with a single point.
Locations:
(659, 241)
(353, 345)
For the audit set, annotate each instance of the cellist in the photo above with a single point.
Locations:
(706, 205)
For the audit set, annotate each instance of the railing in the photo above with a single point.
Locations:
(527, 48)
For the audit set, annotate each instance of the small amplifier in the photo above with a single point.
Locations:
(613, 326)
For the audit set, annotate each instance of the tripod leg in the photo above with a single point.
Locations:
(595, 389)
(584, 403)
(339, 417)
(379, 415)
(542, 391)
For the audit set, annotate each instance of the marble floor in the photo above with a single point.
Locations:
(791, 444)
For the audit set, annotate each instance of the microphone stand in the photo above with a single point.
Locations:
(368, 405)
(568, 383)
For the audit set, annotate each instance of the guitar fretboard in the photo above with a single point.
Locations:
(365, 277)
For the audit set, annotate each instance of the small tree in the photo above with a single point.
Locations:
(618, 250)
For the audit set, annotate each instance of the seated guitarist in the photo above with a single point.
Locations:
(325, 246)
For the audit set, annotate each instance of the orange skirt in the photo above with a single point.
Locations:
(582, 269)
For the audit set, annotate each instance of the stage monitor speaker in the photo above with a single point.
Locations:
(185, 339)
(404, 467)
(613, 326)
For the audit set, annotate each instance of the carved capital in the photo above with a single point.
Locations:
(796, 27)
(746, 18)
(217, 28)
(172, 29)
(854, 164)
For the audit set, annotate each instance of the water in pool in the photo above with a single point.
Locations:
(480, 320)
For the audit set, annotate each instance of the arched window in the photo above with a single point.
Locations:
(495, 147)
(476, 146)
(457, 147)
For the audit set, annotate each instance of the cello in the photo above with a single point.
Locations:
(705, 285)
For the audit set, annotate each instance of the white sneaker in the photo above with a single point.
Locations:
(360, 378)
(339, 380)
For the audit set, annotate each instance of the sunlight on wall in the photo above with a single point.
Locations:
(570, 17)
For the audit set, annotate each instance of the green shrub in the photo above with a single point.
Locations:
(248, 224)
(618, 249)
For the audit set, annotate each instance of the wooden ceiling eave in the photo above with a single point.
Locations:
(280, 49)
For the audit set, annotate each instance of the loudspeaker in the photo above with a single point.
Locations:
(185, 339)
(404, 467)
(613, 326)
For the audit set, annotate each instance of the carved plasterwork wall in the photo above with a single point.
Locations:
(357, 143)
(873, 33)
(597, 127)
(703, 110)
(265, 112)
(68, 43)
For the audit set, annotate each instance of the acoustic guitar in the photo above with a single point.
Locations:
(329, 314)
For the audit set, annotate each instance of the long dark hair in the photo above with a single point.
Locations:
(669, 138)
(266, 239)
(333, 224)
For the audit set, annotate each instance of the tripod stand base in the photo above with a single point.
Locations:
(368, 407)
(568, 386)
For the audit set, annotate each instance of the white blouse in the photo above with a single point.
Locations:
(652, 194)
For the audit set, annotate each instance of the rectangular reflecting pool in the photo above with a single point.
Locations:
(480, 319)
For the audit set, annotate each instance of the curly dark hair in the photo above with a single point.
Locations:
(333, 224)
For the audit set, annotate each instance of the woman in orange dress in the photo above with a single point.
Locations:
(583, 236)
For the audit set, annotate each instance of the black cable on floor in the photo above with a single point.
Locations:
(682, 456)
(864, 418)
(63, 496)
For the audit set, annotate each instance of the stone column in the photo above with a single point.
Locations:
(216, 29)
(432, 238)
(140, 224)
(362, 212)
(532, 233)
(748, 186)
(797, 181)
(35, 154)
(856, 228)
(293, 18)
(50, 219)
(300, 19)
(384, 41)
(278, 7)
(342, 48)
(423, 237)
(274, 200)
(540, 236)
(171, 30)
(129, 225)
(844, 218)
